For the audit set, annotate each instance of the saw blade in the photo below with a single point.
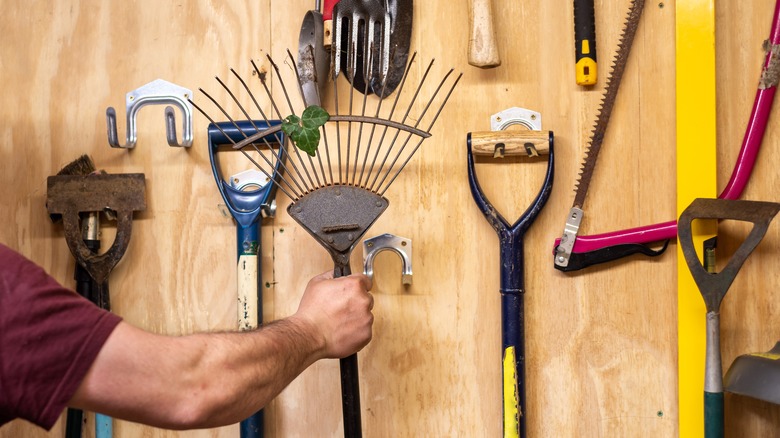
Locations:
(608, 101)
(563, 252)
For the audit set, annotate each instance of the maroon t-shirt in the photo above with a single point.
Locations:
(49, 337)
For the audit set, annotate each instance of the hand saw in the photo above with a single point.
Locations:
(600, 248)
(563, 251)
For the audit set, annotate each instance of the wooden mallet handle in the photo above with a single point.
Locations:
(483, 51)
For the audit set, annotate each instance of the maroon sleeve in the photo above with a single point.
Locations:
(49, 337)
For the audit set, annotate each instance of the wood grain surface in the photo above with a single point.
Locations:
(601, 353)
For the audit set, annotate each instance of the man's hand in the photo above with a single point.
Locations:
(338, 312)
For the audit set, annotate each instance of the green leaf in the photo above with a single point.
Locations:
(308, 140)
(314, 117)
(291, 125)
(305, 130)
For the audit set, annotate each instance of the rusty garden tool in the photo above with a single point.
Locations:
(511, 243)
(401, 18)
(713, 286)
(84, 284)
(71, 195)
(337, 191)
(361, 42)
(313, 58)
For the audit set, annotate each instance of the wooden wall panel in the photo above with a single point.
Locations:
(749, 313)
(601, 350)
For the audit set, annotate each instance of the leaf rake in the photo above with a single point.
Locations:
(337, 191)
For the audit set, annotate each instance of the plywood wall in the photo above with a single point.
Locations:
(601, 344)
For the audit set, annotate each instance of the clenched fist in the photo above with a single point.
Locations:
(339, 312)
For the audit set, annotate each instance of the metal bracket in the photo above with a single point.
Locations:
(157, 92)
(399, 245)
(570, 231)
(516, 116)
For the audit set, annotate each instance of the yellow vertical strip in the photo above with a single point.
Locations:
(696, 178)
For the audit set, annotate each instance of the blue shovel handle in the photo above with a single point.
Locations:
(246, 207)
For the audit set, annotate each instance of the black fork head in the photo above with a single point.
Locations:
(361, 42)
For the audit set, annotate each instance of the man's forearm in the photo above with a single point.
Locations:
(196, 381)
(249, 369)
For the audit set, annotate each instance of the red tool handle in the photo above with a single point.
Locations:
(327, 9)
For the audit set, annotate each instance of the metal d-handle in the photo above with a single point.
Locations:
(388, 242)
(157, 92)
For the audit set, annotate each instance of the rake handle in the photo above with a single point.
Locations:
(350, 384)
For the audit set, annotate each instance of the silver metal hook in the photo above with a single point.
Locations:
(399, 245)
(157, 92)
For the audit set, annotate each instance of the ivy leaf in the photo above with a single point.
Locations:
(314, 117)
(305, 130)
(308, 140)
(291, 125)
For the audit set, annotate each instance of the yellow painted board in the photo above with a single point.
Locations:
(696, 177)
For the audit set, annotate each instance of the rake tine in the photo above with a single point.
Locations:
(252, 160)
(441, 107)
(281, 81)
(390, 116)
(300, 87)
(292, 110)
(409, 136)
(279, 115)
(248, 118)
(397, 133)
(245, 136)
(264, 140)
(267, 121)
(257, 105)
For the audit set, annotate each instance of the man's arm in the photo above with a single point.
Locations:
(209, 380)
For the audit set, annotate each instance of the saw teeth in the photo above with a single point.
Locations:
(608, 100)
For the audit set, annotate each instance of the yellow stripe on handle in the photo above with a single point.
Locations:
(511, 403)
(696, 178)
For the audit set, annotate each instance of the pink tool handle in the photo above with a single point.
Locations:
(327, 9)
(746, 159)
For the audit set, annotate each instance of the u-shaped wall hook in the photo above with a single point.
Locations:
(157, 92)
(399, 245)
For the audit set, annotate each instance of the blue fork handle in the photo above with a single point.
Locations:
(512, 288)
(246, 207)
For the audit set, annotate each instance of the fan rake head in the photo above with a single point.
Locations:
(338, 191)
